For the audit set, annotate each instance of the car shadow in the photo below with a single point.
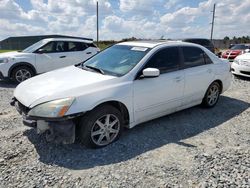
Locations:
(7, 84)
(148, 136)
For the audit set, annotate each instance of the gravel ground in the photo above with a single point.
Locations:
(193, 148)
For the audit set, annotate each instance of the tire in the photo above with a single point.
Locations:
(94, 130)
(22, 73)
(212, 95)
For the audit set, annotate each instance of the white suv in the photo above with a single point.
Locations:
(44, 56)
(122, 86)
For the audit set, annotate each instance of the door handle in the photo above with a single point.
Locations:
(62, 56)
(178, 78)
(89, 53)
(209, 70)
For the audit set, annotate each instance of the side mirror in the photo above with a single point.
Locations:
(150, 72)
(41, 51)
(247, 50)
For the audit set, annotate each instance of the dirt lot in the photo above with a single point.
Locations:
(193, 148)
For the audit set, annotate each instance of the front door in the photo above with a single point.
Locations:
(155, 97)
(54, 56)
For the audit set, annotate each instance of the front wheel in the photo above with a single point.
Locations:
(101, 126)
(212, 95)
(22, 73)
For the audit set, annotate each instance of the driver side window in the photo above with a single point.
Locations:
(165, 60)
(48, 48)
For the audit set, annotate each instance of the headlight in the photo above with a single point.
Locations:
(5, 60)
(53, 109)
(237, 61)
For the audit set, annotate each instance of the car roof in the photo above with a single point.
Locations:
(154, 43)
(68, 39)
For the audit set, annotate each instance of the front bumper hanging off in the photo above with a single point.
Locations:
(56, 130)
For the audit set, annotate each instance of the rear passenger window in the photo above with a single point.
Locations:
(61, 46)
(193, 56)
(77, 46)
(165, 60)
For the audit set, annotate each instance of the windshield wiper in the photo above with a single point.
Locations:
(95, 68)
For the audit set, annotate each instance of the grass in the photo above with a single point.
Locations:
(102, 46)
(2, 51)
(105, 44)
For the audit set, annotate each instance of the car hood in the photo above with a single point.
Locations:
(12, 54)
(62, 83)
(245, 56)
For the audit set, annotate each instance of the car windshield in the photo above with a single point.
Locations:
(239, 47)
(117, 60)
(35, 46)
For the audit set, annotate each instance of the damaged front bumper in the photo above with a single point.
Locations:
(57, 130)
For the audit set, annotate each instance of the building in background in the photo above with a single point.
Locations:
(22, 42)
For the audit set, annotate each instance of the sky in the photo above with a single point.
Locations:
(147, 19)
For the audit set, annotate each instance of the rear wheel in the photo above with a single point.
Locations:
(22, 73)
(101, 126)
(212, 95)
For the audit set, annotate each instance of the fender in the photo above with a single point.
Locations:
(21, 64)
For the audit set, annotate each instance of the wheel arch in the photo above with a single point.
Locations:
(220, 83)
(120, 106)
(20, 64)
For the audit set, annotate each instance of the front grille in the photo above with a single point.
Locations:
(245, 72)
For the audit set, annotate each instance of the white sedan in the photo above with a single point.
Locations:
(122, 86)
(241, 65)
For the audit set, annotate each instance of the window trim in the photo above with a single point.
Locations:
(139, 72)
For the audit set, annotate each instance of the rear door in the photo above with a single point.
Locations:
(154, 97)
(199, 73)
(79, 51)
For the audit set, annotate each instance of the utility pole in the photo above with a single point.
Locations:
(212, 30)
(97, 23)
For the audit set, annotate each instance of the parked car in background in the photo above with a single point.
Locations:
(234, 51)
(122, 86)
(203, 42)
(43, 56)
(241, 64)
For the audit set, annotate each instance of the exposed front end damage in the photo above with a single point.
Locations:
(59, 131)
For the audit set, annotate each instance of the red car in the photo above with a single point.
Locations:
(234, 51)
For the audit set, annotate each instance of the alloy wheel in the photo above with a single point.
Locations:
(213, 95)
(105, 130)
(22, 75)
